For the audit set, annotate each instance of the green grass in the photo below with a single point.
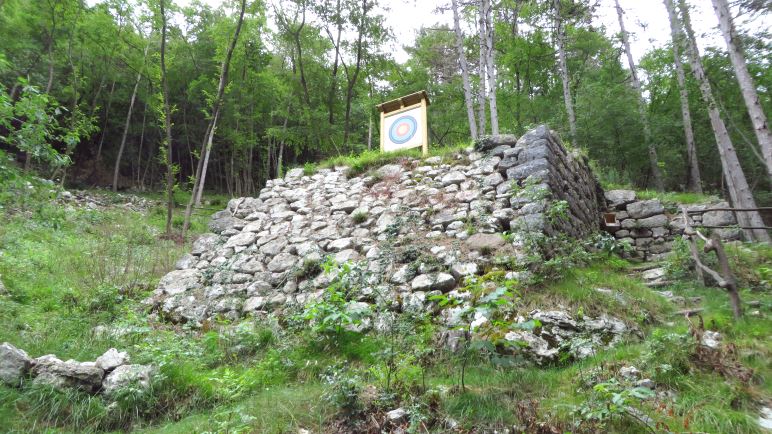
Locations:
(676, 197)
(577, 291)
(69, 271)
(361, 163)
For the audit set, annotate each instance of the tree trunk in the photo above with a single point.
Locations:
(50, 83)
(715, 244)
(299, 49)
(334, 81)
(167, 127)
(464, 71)
(654, 167)
(128, 121)
(751, 97)
(207, 153)
(561, 36)
(105, 124)
(482, 94)
(694, 183)
(739, 191)
(370, 130)
(141, 143)
(200, 179)
(352, 81)
(491, 67)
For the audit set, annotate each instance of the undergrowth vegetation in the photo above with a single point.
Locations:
(76, 278)
(362, 162)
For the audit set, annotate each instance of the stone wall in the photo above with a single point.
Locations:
(417, 228)
(650, 226)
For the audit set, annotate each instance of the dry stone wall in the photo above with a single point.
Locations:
(417, 228)
(650, 226)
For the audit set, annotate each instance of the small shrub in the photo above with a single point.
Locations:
(344, 388)
(309, 268)
(359, 217)
(309, 169)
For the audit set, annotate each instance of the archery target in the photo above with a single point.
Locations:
(403, 130)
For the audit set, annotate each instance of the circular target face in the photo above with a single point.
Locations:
(403, 129)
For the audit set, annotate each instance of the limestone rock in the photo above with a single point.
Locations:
(455, 177)
(483, 242)
(14, 364)
(645, 208)
(51, 371)
(340, 244)
(431, 282)
(204, 243)
(179, 281)
(187, 261)
(242, 239)
(619, 198)
(711, 339)
(221, 225)
(396, 416)
(282, 262)
(463, 269)
(489, 143)
(112, 359)
(254, 304)
(630, 372)
(138, 376)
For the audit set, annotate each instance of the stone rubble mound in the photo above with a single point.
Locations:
(446, 217)
(92, 200)
(650, 227)
(108, 374)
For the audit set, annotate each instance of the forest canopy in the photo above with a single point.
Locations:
(108, 92)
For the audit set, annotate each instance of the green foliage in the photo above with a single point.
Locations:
(359, 217)
(35, 121)
(336, 312)
(612, 399)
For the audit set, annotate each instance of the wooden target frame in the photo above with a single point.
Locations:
(404, 123)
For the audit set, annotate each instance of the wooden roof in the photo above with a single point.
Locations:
(407, 100)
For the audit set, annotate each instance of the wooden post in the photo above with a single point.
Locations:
(726, 279)
(383, 137)
(424, 115)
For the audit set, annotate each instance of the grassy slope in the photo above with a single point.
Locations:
(69, 271)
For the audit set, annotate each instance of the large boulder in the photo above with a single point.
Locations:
(485, 242)
(619, 198)
(14, 364)
(488, 143)
(433, 282)
(50, 370)
(179, 281)
(138, 376)
(204, 243)
(645, 208)
(222, 224)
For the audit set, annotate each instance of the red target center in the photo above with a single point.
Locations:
(402, 129)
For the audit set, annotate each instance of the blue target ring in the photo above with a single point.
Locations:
(403, 129)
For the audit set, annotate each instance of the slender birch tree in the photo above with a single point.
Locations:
(694, 183)
(482, 94)
(748, 88)
(490, 66)
(206, 146)
(636, 82)
(464, 70)
(563, 66)
(167, 125)
(737, 185)
(118, 158)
